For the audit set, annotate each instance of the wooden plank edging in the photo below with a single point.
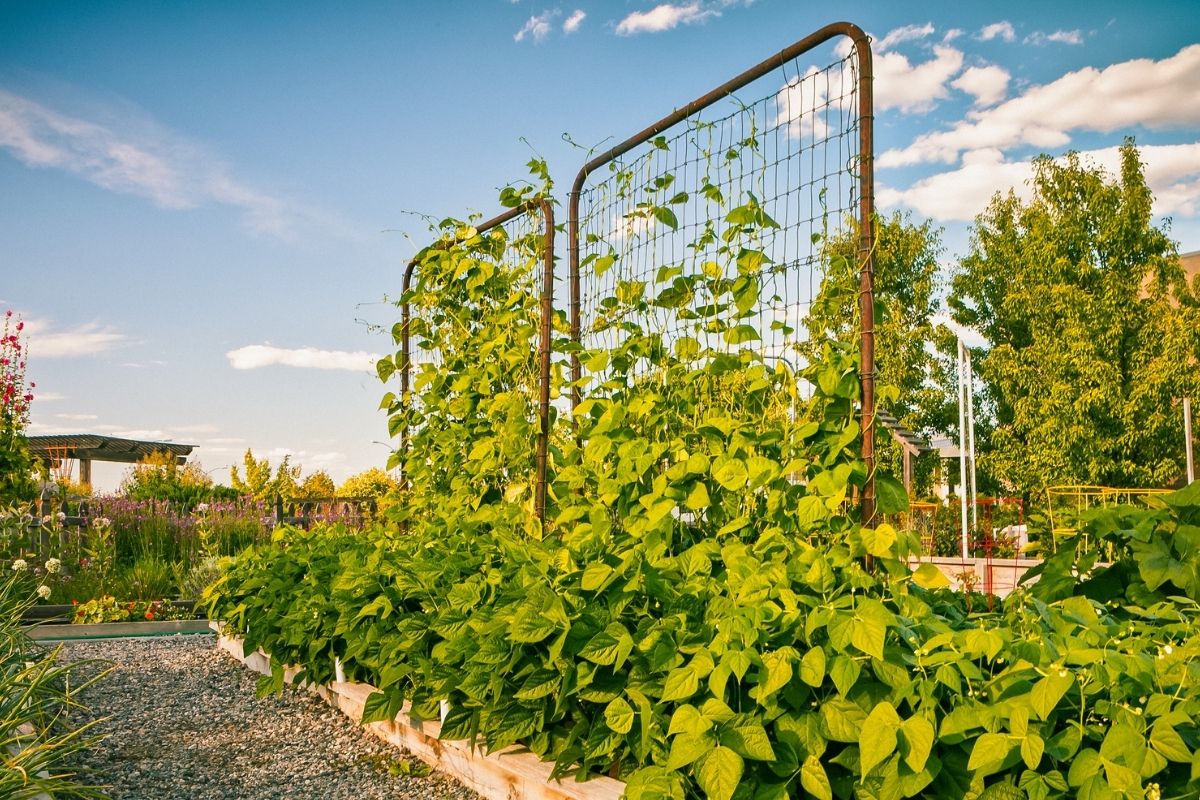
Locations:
(513, 773)
(107, 630)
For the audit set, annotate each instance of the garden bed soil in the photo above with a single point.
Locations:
(513, 772)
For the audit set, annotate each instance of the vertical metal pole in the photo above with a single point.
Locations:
(866, 260)
(970, 383)
(962, 449)
(543, 441)
(1187, 439)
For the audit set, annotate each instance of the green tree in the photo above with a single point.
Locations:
(373, 482)
(318, 484)
(260, 483)
(159, 476)
(906, 283)
(1092, 328)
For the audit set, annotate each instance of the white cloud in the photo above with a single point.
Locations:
(48, 397)
(1172, 173)
(987, 84)
(914, 87)
(88, 339)
(536, 27)
(1141, 92)
(663, 18)
(131, 154)
(203, 427)
(997, 30)
(256, 356)
(952, 34)
(76, 417)
(1061, 37)
(906, 33)
(572, 23)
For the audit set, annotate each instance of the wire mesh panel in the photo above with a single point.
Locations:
(719, 229)
(518, 245)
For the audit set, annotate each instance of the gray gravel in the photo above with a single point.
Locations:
(185, 725)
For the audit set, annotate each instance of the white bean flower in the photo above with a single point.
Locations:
(43, 591)
(53, 566)
(20, 565)
(61, 516)
(101, 522)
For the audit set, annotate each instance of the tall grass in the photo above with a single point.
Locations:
(37, 696)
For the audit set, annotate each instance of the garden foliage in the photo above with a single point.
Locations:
(703, 615)
(36, 695)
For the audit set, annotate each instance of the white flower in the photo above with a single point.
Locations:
(1168, 649)
(61, 516)
(19, 565)
(101, 522)
(46, 520)
(43, 591)
(201, 508)
(53, 566)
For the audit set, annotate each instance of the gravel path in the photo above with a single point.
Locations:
(185, 725)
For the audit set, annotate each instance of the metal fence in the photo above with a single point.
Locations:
(760, 190)
(526, 232)
(753, 194)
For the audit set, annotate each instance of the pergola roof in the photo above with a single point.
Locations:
(915, 441)
(93, 447)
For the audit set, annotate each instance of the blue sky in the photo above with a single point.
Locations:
(204, 203)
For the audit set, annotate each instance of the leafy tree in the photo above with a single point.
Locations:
(318, 484)
(373, 482)
(906, 268)
(159, 476)
(259, 482)
(1093, 330)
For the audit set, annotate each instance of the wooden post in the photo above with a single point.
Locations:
(85, 471)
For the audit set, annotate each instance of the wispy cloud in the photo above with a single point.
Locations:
(537, 27)
(49, 397)
(256, 356)
(1141, 92)
(905, 33)
(664, 17)
(77, 417)
(1172, 173)
(88, 339)
(125, 151)
(1059, 37)
(572, 23)
(997, 30)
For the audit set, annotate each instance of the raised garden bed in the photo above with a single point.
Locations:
(513, 772)
(113, 630)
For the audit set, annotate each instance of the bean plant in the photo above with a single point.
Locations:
(704, 615)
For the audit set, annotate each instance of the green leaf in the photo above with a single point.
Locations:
(681, 683)
(698, 497)
(989, 753)
(878, 739)
(530, 626)
(917, 737)
(687, 748)
(687, 719)
(1032, 747)
(1165, 740)
(868, 634)
(720, 773)
(814, 780)
(845, 672)
(382, 706)
(667, 217)
(603, 264)
(879, 541)
(619, 716)
(595, 575)
(890, 496)
(1049, 690)
(749, 741)
(812, 667)
(730, 473)
(928, 576)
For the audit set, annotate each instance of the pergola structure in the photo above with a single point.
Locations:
(912, 444)
(89, 447)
